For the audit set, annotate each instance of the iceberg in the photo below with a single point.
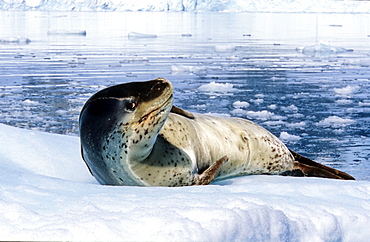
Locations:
(15, 40)
(48, 194)
(190, 5)
(322, 49)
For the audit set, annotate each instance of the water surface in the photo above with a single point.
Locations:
(250, 65)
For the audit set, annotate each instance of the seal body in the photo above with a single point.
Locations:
(132, 135)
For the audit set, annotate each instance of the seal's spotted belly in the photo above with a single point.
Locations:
(250, 148)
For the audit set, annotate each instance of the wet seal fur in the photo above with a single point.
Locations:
(131, 134)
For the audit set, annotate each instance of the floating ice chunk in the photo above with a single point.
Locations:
(297, 115)
(224, 48)
(61, 112)
(335, 122)
(274, 123)
(257, 101)
(199, 106)
(217, 87)
(201, 70)
(343, 101)
(67, 32)
(272, 106)
(296, 125)
(30, 102)
(365, 103)
(262, 115)
(284, 136)
(233, 58)
(238, 112)
(323, 48)
(134, 60)
(291, 108)
(240, 104)
(348, 90)
(15, 40)
(141, 35)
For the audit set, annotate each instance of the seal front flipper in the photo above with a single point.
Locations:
(208, 175)
(182, 112)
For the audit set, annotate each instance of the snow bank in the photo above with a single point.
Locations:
(190, 5)
(48, 194)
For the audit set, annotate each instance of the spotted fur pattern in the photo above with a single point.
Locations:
(153, 147)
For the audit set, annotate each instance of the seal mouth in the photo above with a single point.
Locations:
(156, 111)
(157, 97)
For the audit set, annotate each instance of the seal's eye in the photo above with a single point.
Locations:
(131, 105)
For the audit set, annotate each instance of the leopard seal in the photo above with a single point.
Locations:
(132, 134)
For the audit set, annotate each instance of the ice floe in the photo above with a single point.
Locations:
(347, 90)
(284, 136)
(335, 122)
(241, 104)
(48, 194)
(214, 87)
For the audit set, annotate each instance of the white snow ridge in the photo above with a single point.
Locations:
(47, 194)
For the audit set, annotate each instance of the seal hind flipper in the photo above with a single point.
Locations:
(315, 171)
(208, 175)
(182, 112)
(312, 168)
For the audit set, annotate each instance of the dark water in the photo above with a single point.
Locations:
(318, 95)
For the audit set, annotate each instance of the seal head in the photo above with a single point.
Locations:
(119, 124)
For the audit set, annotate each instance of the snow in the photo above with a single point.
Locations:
(47, 193)
(190, 5)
